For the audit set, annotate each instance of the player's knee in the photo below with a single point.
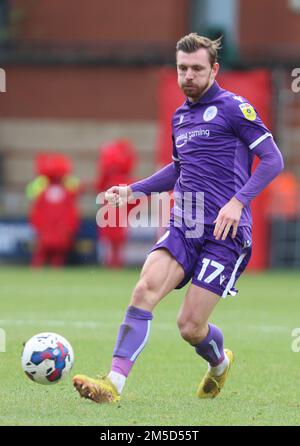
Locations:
(142, 293)
(188, 333)
(191, 332)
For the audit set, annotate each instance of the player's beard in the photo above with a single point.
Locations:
(194, 91)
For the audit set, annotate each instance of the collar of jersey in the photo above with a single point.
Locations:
(207, 97)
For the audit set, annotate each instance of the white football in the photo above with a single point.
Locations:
(47, 358)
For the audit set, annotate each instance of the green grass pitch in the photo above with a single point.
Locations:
(87, 306)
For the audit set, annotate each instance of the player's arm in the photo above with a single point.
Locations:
(270, 165)
(253, 132)
(162, 181)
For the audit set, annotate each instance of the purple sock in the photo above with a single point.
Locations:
(132, 338)
(211, 348)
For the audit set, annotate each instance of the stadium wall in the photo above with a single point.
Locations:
(114, 21)
(275, 36)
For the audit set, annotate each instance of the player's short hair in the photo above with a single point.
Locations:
(193, 42)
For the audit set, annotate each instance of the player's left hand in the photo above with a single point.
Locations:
(229, 216)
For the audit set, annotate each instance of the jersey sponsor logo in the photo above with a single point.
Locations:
(184, 138)
(248, 111)
(210, 113)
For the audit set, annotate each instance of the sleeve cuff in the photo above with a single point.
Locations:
(239, 196)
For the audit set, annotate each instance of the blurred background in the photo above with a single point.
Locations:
(87, 91)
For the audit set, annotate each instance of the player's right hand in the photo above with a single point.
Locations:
(118, 195)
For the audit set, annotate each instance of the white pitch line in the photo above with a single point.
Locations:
(99, 324)
(76, 324)
(270, 328)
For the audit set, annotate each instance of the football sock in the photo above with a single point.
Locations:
(118, 380)
(211, 347)
(219, 369)
(132, 338)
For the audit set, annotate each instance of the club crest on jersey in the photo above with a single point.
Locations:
(248, 111)
(210, 113)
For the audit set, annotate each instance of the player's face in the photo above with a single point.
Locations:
(195, 73)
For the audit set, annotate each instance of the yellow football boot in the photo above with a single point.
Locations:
(211, 385)
(100, 390)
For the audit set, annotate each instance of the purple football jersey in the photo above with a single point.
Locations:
(213, 140)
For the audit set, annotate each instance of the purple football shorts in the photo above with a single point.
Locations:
(212, 264)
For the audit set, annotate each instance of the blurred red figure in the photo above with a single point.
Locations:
(115, 164)
(54, 213)
(284, 193)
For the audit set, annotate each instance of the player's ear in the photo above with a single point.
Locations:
(215, 69)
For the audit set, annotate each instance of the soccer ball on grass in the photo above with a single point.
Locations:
(47, 358)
